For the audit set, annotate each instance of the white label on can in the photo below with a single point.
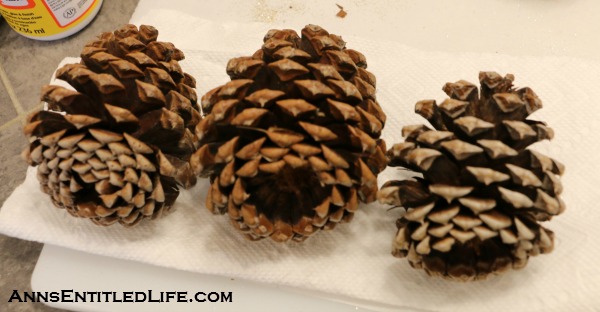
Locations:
(66, 11)
(14, 3)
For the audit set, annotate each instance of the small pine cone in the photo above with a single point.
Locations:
(116, 149)
(291, 144)
(477, 208)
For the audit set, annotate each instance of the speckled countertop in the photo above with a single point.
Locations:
(25, 65)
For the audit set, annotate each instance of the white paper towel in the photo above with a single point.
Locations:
(354, 261)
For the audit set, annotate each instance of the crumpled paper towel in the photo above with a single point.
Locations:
(353, 262)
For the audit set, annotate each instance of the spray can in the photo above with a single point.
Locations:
(48, 19)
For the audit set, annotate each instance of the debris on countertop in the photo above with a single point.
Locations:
(341, 13)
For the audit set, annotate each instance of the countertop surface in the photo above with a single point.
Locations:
(534, 28)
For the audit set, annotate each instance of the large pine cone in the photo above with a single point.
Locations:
(477, 208)
(291, 143)
(116, 149)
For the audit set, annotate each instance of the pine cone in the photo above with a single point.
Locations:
(291, 143)
(116, 149)
(477, 208)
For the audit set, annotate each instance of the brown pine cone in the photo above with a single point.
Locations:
(478, 206)
(116, 149)
(291, 144)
